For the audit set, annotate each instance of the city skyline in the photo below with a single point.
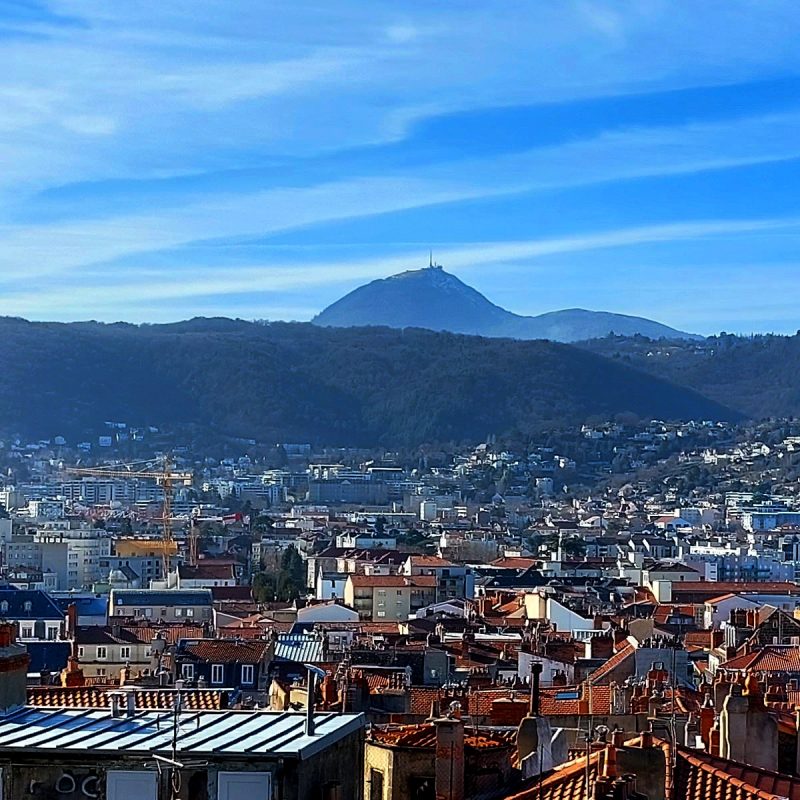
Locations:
(161, 164)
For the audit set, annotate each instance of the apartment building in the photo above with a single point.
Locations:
(388, 598)
(179, 605)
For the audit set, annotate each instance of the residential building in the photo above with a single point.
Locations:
(125, 752)
(34, 613)
(383, 598)
(225, 663)
(178, 605)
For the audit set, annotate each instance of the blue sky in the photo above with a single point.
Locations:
(164, 159)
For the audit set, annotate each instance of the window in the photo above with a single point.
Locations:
(247, 674)
(52, 633)
(189, 612)
(80, 652)
(187, 671)
(381, 613)
(102, 652)
(125, 653)
(3, 606)
(375, 784)
(28, 606)
(235, 785)
(217, 674)
(122, 785)
(26, 632)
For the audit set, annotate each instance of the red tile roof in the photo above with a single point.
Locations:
(566, 782)
(516, 562)
(618, 658)
(393, 581)
(171, 633)
(712, 776)
(95, 697)
(424, 737)
(700, 639)
(220, 651)
(773, 658)
(430, 561)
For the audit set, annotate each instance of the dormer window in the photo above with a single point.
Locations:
(3, 606)
(28, 606)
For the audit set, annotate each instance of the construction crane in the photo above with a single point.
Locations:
(166, 477)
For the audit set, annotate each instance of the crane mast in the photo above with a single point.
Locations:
(166, 477)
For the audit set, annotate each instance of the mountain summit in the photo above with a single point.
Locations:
(434, 299)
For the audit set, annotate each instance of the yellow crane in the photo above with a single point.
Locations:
(166, 477)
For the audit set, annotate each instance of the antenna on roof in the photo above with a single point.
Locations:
(430, 260)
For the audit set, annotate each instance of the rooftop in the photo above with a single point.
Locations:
(424, 736)
(201, 733)
(95, 697)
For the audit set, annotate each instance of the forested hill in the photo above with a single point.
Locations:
(290, 381)
(757, 375)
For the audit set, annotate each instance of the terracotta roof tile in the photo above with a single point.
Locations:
(566, 782)
(773, 658)
(220, 651)
(618, 658)
(398, 581)
(724, 778)
(424, 737)
(96, 697)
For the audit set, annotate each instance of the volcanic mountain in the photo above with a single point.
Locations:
(437, 300)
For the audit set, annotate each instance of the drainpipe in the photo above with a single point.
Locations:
(313, 673)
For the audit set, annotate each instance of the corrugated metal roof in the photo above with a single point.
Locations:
(303, 649)
(209, 733)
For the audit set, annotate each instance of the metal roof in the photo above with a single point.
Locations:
(302, 648)
(156, 597)
(41, 605)
(208, 733)
(87, 606)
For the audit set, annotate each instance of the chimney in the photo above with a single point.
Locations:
(14, 661)
(707, 717)
(73, 674)
(116, 704)
(449, 758)
(72, 620)
(131, 704)
(733, 726)
(748, 732)
(311, 696)
(647, 763)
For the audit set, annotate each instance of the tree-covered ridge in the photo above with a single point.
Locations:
(293, 381)
(757, 375)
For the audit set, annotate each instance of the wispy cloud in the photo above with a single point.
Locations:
(137, 290)
(96, 92)
(30, 250)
